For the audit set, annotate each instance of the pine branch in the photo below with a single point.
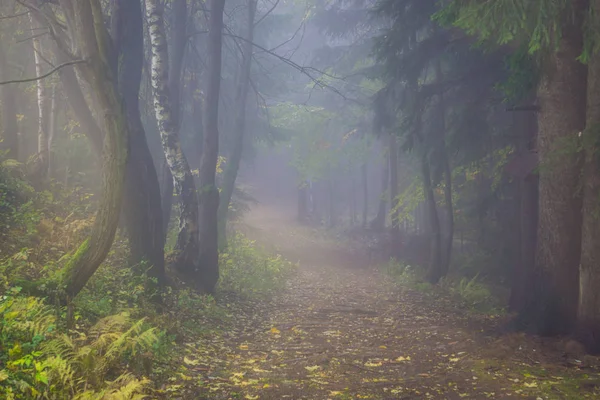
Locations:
(37, 78)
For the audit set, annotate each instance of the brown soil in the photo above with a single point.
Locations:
(341, 331)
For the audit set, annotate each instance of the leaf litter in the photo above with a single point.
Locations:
(340, 331)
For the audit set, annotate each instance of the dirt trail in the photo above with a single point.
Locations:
(340, 331)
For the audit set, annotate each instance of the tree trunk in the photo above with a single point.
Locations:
(365, 187)
(186, 247)
(353, 200)
(53, 109)
(176, 54)
(379, 222)
(166, 196)
(79, 105)
(10, 127)
(446, 256)
(302, 202)
(209, 193)
(527, 215)
(92, 41)
(589, 297)
(551, 307)
(141, 206)
(233, 162)
(435, 272)
(395, 228)
(40, 169)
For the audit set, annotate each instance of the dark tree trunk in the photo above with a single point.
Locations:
(234, 159)
(209, 193)
(302, 202)
(10, 128)
(365, 187)
(379, 222)
(141, 204)
(589, 297)
(395, 228)
(92, 44)
(353, 201)
(527, 214)
(551, 307)
(435, 272)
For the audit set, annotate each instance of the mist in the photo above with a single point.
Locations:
(304, 199)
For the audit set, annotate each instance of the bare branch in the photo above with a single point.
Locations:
(37, 78)
(14, 15)
(267, 13)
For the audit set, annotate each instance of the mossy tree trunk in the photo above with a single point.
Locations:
(233, 161)
(551, 306)
(209, 193)
(141, 203)
(186, 247)
(92, 42)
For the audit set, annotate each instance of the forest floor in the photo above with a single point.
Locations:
(340, 330)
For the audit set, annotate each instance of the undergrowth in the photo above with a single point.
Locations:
(470, 292)
(113, 341)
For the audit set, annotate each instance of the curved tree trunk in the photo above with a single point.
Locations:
(186, 247)
(233, 162)
(589, 297)
(92, 41)
(551, 307)
(10, 128)
(141, 203)
(209, 193)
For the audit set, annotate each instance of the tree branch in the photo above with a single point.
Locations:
(37, 78)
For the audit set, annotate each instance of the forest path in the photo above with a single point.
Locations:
(339, 331)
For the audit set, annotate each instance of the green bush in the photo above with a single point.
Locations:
(249, 270)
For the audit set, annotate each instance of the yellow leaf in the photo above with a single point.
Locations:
(190, 362)
(275, 331)
(243, 347)
(313, 368)
(400, 359)
(372, 364)
(250, 397)
(530, 385)
(266, 386)
(383, 347)
(454, 359)
(3, 375)
(335, 393)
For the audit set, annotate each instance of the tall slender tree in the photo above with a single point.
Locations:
(186, 247)
(209, 193)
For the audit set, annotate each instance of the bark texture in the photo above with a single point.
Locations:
(92, 42)
(40, 168)
(233, 161)
(589, 296)
(209, 193)
(141, 204)
(10, 128)
(551, 307)
(186, 247)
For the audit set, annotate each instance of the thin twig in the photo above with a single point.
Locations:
(37, 78)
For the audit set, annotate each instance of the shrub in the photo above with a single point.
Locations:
(249, 270)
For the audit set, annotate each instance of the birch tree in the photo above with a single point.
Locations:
(186, 247)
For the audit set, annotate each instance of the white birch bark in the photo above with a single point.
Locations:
(186, 248)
